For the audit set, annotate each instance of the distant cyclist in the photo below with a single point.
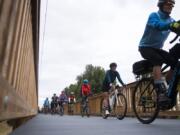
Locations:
(157, 29)
(62, 98)
(85, 90)
(54, 103)
(46, 105)
(109, 79)
(72, 100)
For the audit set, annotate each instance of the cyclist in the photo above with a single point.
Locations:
(72, 98)
(54, 103)
(157, 29)
(85, 90)
(62, 98)
(46, 104)
(109, 79)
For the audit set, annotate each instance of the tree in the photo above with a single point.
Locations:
(95, 75)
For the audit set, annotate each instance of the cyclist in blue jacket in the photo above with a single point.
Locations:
(46, 103)
(109, 79)
(158, 27)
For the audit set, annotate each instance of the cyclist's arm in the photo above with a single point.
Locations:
(82, 90)
(155, 22)
(108, 77)
(119, 79)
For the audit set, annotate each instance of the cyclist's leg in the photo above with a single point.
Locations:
(83, 99)
(106, 89)
(106, 102)
(157, 57)
(151, 55)
(175, 52)
(61, 104)
(71, 106)
(172, 60)
(52, 105)
(56, 105)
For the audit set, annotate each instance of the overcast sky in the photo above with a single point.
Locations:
(98, 32)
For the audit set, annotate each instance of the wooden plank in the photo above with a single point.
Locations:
(18, 78)
(11, 104)
(10, 28)
(15, 46)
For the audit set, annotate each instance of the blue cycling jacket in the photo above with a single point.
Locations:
(46, 102)
(157, 30)
(111, 76)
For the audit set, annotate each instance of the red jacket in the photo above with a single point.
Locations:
(86, 89)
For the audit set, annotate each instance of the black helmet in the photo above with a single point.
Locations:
(161, 2)
(113, 65)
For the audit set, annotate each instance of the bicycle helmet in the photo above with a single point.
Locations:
(162, 2)
(85, 81)
(113, 65)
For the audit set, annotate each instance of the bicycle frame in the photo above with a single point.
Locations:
(113, 98)
(85, 106)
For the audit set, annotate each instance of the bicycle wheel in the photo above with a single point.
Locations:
(103, 110)
(87, 110)
(145, 101)
(120, 108)
(61, 111)
(82, 110)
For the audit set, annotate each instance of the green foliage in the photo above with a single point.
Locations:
(95, 75)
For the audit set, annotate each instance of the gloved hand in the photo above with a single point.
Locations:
(175, 27)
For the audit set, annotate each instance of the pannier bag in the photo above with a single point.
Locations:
(142, 67)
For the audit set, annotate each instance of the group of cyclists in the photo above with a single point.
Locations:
(64, 99)
(52, 107)
(158, 27)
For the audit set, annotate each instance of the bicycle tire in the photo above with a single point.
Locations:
(149, 89)
(87, 110)
(120, 115)
(102, 110)
(82, 111)
(61, 111)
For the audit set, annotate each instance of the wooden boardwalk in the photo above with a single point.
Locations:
(76, 125)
